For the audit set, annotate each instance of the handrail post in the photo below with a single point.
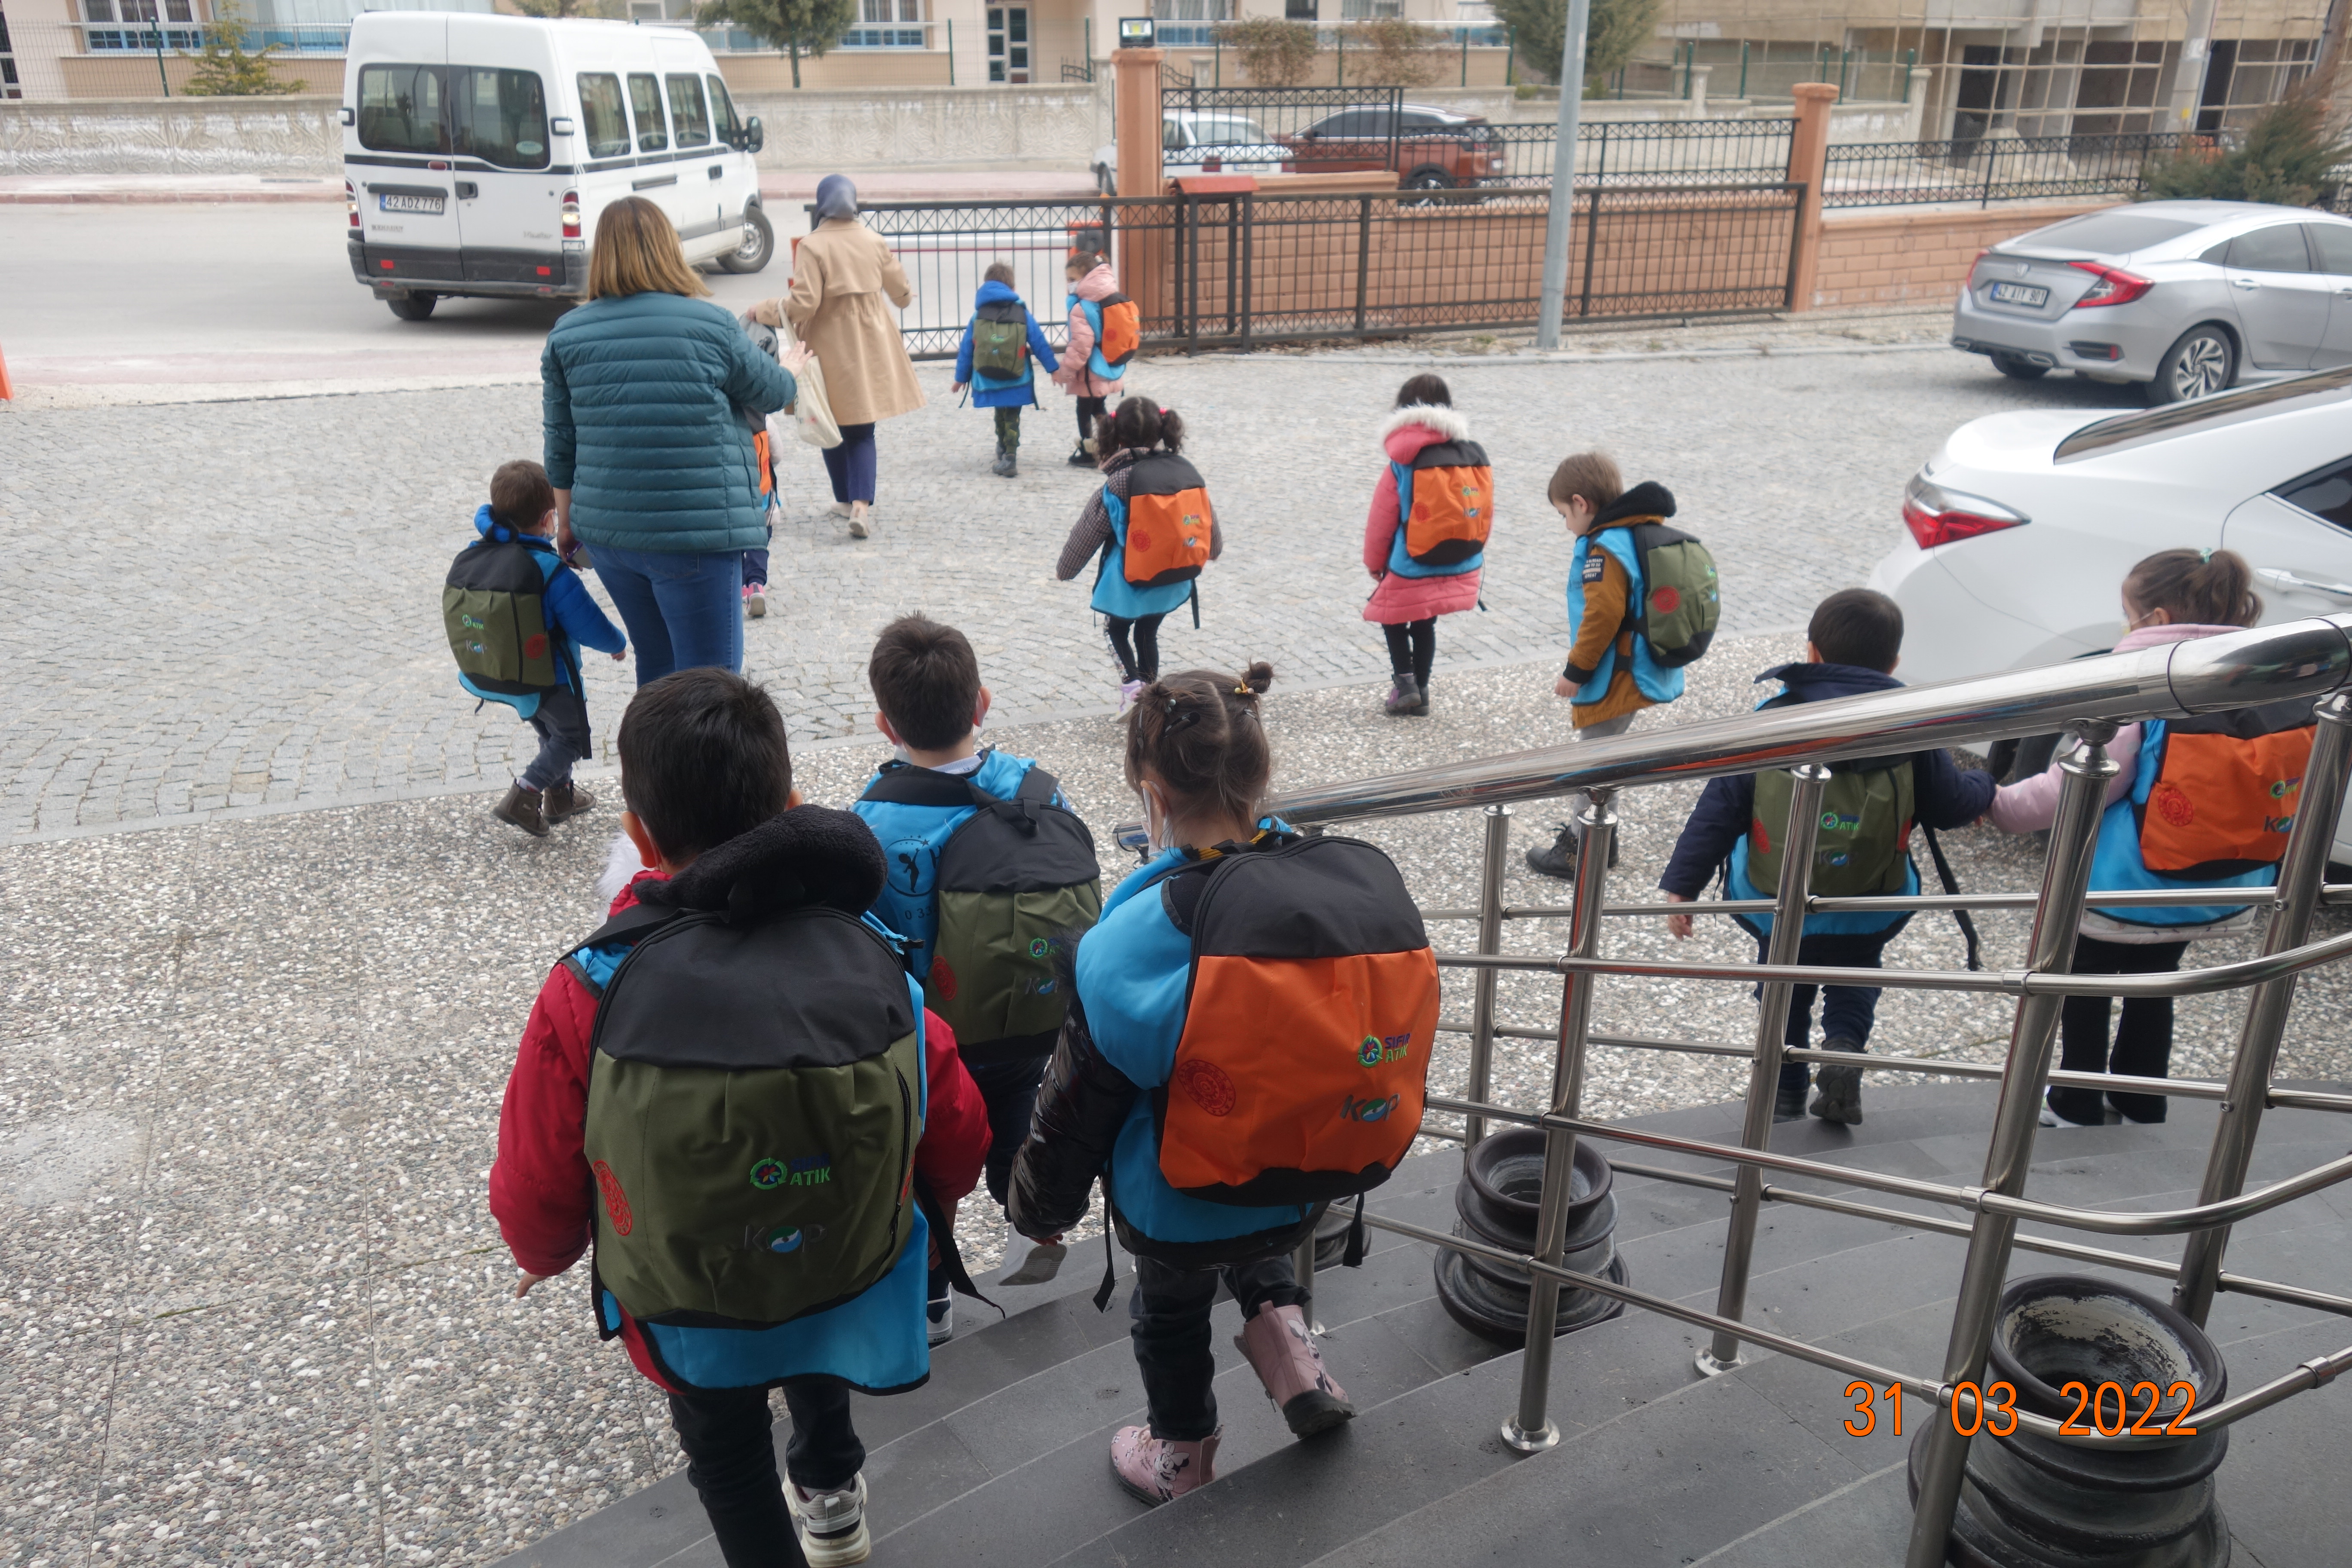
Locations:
(1797, 841)
(1302, 1268)
(1530, 1431)
(1482, 1004)
(2300, 879)
(2065, 879)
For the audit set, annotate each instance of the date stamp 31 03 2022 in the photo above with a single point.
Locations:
(1992, 1408)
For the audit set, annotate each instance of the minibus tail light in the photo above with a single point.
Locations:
(570, 215)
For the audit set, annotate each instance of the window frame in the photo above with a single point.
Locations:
(678, 131)
(2340, 468)
(439, 75)
(2303, 242)
(727, 126)
(628, 145)
(636, 118)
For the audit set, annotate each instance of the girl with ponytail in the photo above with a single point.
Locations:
(1149, 529)
(2202, 801)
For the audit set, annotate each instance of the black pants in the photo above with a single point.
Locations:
(1170, 1332)
(2143, 1041)
(731, 1460)
(1009, 1089)
(1847, 1011)
(1139, 661)
(1089, 410)
(563, 725)
(1413, 648)
(1008, 427)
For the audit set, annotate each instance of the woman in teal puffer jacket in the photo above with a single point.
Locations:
(652, 465)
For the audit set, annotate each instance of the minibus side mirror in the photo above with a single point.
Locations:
(754, 136)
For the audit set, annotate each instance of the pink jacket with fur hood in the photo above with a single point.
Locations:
(1399, 598)
(1075, 376)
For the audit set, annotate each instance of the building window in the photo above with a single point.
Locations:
(876, 31)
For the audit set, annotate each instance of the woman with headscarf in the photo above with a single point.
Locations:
(841, 275)
(647, 445)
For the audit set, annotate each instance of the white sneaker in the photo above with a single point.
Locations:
(1129, 694)
(841, 509)
(938, 1320)
(831, 1525)
(1030, 1262)
(857, 528)
(2051, 1119)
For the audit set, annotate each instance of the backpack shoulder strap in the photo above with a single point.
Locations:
(902, 783)
(631, 924)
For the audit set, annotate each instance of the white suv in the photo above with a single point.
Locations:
(1203, 143)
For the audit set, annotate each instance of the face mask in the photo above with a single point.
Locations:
(1155, 818)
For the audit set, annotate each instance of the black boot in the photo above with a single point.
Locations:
(1002, 467)
(523, 808)
(1557, 858)
(1404, 698)
(1838, 1096)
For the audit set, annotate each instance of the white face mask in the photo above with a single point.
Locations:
(1155, 817)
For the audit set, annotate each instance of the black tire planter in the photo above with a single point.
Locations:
(2033, 1502)
(1496, 1201)
(1331, 1234)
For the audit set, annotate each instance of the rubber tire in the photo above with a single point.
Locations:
(2018, 369)
(1429, 179)
(2163, 390)
(742, 258)
(413, 306)
(1106, 182)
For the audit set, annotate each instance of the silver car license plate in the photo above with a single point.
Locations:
(388, 202)
(2013, 294)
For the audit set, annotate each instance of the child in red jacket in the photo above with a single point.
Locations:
(1427, 444)
(706, 778)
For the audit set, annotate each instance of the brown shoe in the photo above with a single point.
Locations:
(566, 800)
(522, 807)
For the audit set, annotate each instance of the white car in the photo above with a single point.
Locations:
(2018, 533)
(1206, 141)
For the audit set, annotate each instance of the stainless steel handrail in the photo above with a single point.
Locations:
(2334, 893)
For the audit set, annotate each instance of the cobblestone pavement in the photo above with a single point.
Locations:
(252, 1308)
(221, 605)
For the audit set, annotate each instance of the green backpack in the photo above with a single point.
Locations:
(754, 1100)
(1682, 599)
(1000, 343)
(1016, 878)
(493, 605)
(1863, 847)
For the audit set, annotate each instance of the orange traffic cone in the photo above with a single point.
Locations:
(6, 391)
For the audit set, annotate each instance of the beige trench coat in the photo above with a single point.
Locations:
(842, 277)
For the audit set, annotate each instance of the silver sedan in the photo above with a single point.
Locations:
(2187, 296)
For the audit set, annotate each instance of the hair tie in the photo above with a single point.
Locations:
(1243, 690)
(2204, 558)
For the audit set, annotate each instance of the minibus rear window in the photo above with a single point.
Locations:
(644, 103)
(604, 115)
(400, 110)
(687, 117)
(501, 116)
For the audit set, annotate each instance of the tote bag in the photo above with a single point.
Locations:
(811, 413)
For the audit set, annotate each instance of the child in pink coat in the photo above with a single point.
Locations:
(1411, 597)
(1083, 373)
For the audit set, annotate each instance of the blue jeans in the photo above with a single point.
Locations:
(683, 610)
(850, 466)
(1847, 1011)
(1009, 1091)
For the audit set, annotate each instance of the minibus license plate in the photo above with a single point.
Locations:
(2002, 293)
(435, 204)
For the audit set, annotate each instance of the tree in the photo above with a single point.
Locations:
(2288, 157)
(796, 27)
(606, 10)
(226, 69)
(1614, 34)
(1389, 51)
(1276, 53)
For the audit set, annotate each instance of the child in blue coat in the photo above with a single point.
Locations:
(522, 507)
(1005, 378)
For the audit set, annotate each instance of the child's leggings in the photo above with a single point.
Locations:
(1413, 648)
(1089, 410)
(1139, 661)
(1008, 428)
(2143, 1040)
(1169, 1331)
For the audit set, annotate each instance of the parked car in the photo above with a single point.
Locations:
(1203, 143)
(2188, 297)
(479, 149)
(2016, 536)
(1430, 149)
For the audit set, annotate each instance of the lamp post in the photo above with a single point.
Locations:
(1563, 177)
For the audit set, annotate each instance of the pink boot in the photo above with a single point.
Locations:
(1281, 1353)
(1157, 1471)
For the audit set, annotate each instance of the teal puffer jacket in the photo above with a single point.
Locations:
(641, 423)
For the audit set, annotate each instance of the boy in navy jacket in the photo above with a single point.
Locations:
(997, 303)
(1852, 646)
(522, 507)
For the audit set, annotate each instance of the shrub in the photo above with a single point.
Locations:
(1390, 52)
(2288, 157)
(1614, 34)
(1276, 53)
(226, 69)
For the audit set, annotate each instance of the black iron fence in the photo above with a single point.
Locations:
(1988, 169)
(1647, 153)
(1231, 271)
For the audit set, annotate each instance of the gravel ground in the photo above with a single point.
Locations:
(254, 1310)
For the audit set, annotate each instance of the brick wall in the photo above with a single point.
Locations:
(1902, 256)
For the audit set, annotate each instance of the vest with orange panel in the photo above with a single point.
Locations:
(1303, 1057)
(1446, 511)
(2212, 800)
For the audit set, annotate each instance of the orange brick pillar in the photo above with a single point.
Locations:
(1809, 153)
(1143, 251)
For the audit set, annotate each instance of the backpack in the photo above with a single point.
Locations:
(1682, 600)
(1309, 1017)
(754, 1099)
(1016, 879)
(1864, 844)
(1164, 525)
(1451, 509)
(2226, 785)
(494, 607)
(1120, 332)
(1000, 343)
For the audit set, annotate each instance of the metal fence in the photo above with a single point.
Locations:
(1319, 130)
(2308, 659)
(1220, 272)
(1988, 169)
(1648, 152)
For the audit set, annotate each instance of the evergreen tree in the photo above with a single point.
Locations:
(2288, 157)
(226, 68)
(796, 27)
(1614, 33)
